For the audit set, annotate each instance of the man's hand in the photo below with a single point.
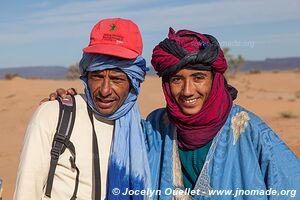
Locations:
(60, 92)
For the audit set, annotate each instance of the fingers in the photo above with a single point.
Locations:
(52, 96)
(61, 93)
(72, 91)
(44, 100)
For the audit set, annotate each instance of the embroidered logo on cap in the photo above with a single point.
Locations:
(112, 27)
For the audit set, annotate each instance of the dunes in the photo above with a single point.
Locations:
(274, 96)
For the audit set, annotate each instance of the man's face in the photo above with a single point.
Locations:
(190, 88)
(109, 89)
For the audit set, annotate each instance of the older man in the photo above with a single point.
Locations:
(107, 126)
(210, 147)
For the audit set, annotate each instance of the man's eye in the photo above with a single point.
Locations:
(117, 79)
(175, 79)
(95, 76)
(199, 78)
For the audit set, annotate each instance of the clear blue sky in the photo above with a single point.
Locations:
(37, 32)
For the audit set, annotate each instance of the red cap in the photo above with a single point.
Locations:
(116, 37)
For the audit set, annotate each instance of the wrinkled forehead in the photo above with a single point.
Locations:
(114, 74)
(116, 71)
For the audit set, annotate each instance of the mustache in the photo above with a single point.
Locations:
(97, 96)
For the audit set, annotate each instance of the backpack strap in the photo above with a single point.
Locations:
(96, 159)
(67, 112)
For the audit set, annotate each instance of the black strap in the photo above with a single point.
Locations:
(72, 159)
(96, 160)
(67, 112)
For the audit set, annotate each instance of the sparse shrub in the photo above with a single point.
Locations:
(73, 72)
(10, 96)
(11, 76)
(297, 94)
(275, 72)
(254, 71)
(287, 115)
(235, 63)
(297, 70)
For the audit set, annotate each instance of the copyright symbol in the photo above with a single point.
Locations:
(115, 191)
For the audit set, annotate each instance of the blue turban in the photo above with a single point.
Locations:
(128, 164)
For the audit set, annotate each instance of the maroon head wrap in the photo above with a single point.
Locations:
(188, 49)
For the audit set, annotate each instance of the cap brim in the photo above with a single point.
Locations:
(112, 50)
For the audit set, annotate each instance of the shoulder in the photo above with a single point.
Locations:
(156, 114)
(239, 113)
(153, 130)
(158, 118)
(243, 120)
(51, 108)
(151, 121)
(46, 111)
(42, 124)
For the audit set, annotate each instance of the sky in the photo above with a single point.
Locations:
(48, 33)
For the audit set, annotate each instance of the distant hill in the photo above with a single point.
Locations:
(267, 64)
(41, 72)
(59, 72)
(273, 64)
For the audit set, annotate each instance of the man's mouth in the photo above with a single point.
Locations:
(189, 102)
(105, 103)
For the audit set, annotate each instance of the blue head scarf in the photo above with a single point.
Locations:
(128, 164)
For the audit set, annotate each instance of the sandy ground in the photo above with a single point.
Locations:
(274, 96)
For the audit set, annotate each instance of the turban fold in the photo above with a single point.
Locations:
(188, 49)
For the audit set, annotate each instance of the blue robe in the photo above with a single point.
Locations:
(246, 160)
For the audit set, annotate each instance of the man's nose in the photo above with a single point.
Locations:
(105, 88)
(188, 88)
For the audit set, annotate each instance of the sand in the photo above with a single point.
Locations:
(274, 96)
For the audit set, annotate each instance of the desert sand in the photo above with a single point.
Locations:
(274, 96)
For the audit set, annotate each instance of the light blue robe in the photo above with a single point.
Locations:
(246, 156)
